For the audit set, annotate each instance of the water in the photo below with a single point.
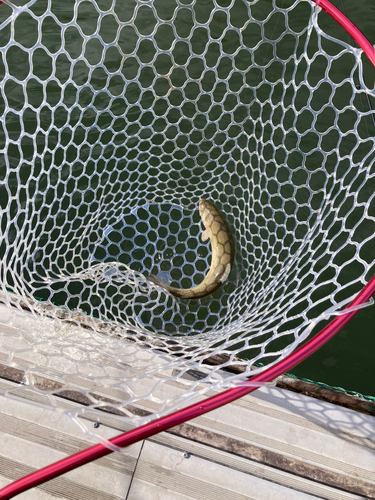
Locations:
(346, 361)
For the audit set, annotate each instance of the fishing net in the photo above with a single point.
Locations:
(117, 118)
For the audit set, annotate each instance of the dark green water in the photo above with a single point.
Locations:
(347, 360)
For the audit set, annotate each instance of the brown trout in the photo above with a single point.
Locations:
(217, 229)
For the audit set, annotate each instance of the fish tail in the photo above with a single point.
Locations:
(156, 280)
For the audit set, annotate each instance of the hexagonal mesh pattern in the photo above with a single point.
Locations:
(117, 118)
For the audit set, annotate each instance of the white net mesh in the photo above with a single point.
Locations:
(117, 117)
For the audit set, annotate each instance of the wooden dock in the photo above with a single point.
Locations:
(273, 444)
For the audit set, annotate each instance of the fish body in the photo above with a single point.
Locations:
(217, 230)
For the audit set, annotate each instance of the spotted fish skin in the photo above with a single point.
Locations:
(217, 229)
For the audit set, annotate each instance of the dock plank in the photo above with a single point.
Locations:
(271, 444)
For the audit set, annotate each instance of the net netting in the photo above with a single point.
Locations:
(117, 118)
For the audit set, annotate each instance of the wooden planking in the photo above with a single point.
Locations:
(217, 475)
(44, 436)
(59, 487)
(318, 446)
(231, 459)
(152, 476)
(65, 443)
(300, 475)
(275, 443)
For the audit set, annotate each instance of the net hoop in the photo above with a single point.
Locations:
(348, 26)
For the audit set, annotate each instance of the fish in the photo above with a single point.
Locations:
(217, 230)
